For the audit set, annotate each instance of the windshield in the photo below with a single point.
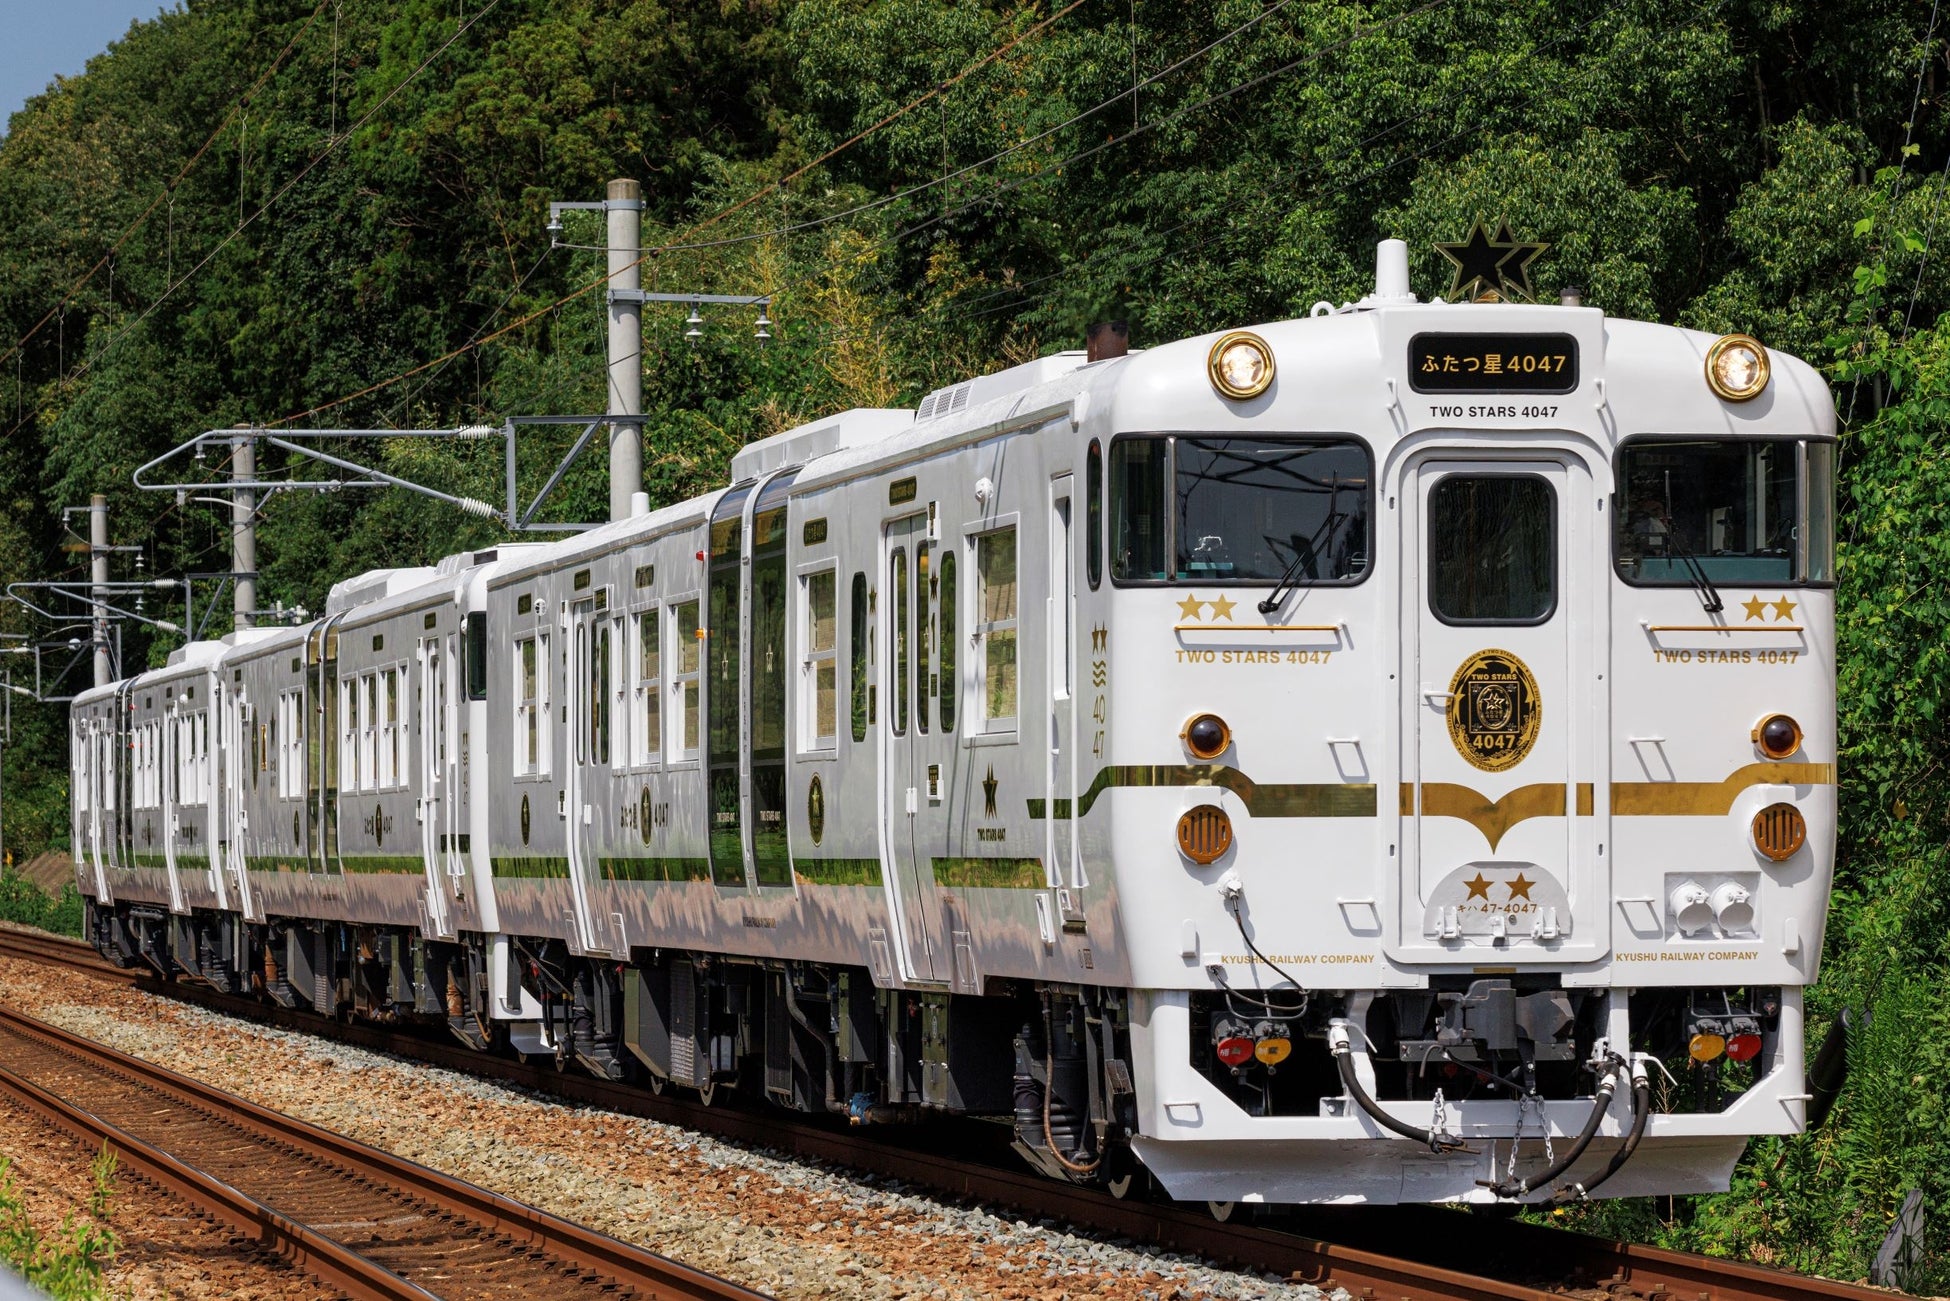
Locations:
(1749, 511)
(1238, 510)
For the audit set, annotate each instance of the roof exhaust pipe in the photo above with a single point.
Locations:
(1106, 340)
(1391, 273)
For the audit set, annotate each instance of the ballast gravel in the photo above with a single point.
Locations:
(780, 1226)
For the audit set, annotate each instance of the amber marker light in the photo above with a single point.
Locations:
(1274, 1050)
(1706, 1047)
(1241, 365)
(1737, 368)
(1778, 736)
(1780, 830)
(1207, 736)
(1204, 834)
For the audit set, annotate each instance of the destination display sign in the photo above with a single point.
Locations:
(1493, 363)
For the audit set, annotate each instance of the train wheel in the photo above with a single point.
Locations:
(1223, 1212)
(710, 1092)
(657, 1083)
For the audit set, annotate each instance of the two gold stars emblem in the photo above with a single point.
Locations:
(1221, 608)
(1480, 887)
(1755, 607)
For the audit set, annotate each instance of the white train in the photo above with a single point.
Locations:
(1384, 756)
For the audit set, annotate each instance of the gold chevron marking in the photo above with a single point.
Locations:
(1493, 818)
(1710, 799)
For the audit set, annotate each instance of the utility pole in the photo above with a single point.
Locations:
(98, 575)
(243, 530)
(625, 211)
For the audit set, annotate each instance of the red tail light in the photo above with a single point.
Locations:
(1235, 1051)
(1743, 1047)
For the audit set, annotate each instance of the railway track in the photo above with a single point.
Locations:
(1376, 1253)
(72, 954)
(369, 1224)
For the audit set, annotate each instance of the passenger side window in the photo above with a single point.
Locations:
(857, 661)
(649, 687)
(821, 670)
(684, 680)
(531, 706)
(950, 683)
(995, 613)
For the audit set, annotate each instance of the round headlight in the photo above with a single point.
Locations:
(1207, 736)
(1778, 736)
(1241, 365)
(1736, 367)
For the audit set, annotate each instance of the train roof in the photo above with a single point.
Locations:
(1339, 370)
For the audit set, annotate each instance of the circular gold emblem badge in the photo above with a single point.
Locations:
(816, 810)
(1493, 710)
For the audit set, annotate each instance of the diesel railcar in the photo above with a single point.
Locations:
(1382, 756)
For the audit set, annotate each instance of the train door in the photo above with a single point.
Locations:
(325, 749)
(173, 744)
(904, 689)
(101, 799)
(1059, 829)
(1504, 712)
(588, 699)
(430, 664)
(238, 756)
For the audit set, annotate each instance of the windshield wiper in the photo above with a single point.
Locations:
(1709, 595)
(1288, 578)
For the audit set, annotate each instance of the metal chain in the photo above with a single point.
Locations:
(1439, 1121)
(1524, 1105)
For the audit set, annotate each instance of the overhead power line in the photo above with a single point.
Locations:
(88, 364)
(762, 192)
(169, 190)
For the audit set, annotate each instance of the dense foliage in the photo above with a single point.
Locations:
(23, 901)
(1768, 165)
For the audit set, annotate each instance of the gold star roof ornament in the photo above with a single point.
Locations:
(1492, 267)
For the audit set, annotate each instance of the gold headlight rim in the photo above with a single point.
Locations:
(1761, 378)
(1225, 735)
(1217, 375)
(1760, 730)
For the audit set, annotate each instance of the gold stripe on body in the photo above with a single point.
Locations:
(1709, 799)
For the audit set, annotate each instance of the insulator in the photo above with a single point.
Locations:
(477, 431)
(476, 507)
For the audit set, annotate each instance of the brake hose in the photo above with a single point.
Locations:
(1641, 1110)
(1513, 1188)
(1339, 1042)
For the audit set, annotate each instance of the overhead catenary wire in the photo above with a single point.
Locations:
(168, 194)
(1896, 189)
(87, 364)
(1056, 169)
(703, 224)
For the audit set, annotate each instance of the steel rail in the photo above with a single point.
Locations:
(626, 1265)
(73, 954)
(1362, 1255)
(306, 1249)
(1377, 1272)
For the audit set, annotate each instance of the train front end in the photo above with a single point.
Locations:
(1468, 749)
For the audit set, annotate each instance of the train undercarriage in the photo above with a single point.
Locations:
(1055, 1062)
